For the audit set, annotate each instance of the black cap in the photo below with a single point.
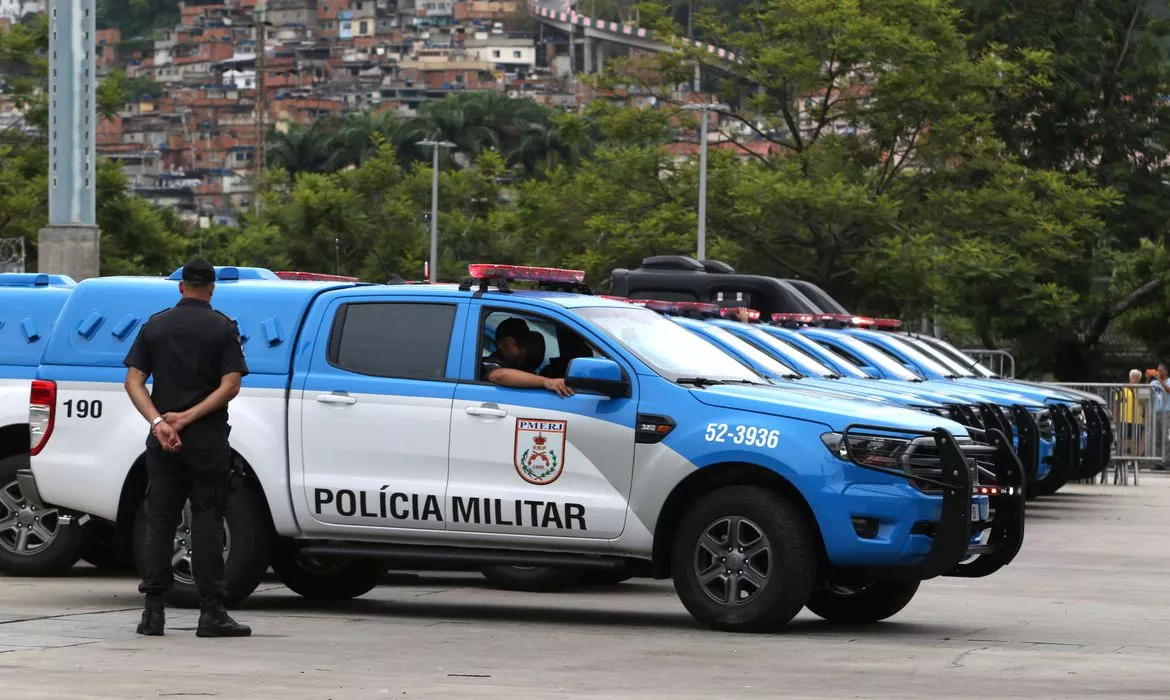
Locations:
(198, 271)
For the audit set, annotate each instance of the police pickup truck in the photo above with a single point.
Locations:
(366, 438)
(33, 541)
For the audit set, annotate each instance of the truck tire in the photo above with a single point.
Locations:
(855, 605)
(327, 579)
(532, 579)
(33, 542)
(744, 560)
(248, 549)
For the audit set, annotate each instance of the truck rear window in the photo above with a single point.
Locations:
(393, 339)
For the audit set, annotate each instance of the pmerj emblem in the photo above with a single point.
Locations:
(540, 449)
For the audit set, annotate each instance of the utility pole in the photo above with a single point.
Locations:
(702, 108)
(260, 21)
(434, 259)
(71, 244)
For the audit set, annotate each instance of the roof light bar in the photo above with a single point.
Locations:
(525, 273)
(613, 298)
(794, 318)
(313, 276)
(733, 312)
(887, 324)
(697, 307)
(846, 320)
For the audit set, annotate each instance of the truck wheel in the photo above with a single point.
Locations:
(247, 549)
(327, 579)
(744, 560)
(853, 605)
(33, 542)
(533, 579)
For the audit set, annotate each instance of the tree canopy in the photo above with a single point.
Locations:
(979, 163)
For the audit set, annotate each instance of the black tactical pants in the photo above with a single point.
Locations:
(203, 476)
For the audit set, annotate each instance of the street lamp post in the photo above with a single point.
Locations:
(702, 108)
(434, 262)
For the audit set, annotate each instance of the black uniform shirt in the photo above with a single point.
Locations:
(188, 349)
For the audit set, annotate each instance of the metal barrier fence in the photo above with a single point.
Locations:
(1141, 429)
(999, 361)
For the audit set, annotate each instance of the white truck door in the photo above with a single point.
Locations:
(525, 461)
(375, 415)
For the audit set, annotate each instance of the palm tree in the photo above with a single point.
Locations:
(303, 148)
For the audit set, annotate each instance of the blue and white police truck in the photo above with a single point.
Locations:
(366, 436)
(34, 541)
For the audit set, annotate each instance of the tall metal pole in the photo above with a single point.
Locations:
(703, 184)
(433, 276)
(702, 108)
(435, 216)
(260, 17)
(71, 244)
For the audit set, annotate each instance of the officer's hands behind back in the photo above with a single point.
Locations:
(167, 436)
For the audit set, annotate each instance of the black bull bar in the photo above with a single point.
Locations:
(954, 474)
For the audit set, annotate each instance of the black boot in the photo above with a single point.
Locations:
(215, 622)
(153, 618)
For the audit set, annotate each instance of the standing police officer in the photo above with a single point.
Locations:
(195, 355)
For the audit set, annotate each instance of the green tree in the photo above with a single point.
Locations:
(874, 167)
(1099, 109)
(137, 237)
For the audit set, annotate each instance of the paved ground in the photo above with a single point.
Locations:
(1084, 612)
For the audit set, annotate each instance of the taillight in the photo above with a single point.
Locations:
(42, 409)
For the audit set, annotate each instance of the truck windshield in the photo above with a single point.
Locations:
(820, 353)
(958, 356)
(668, 348)
(905, 350)
(867, 353)
(752, 353)
(794, 356)
(934, 354)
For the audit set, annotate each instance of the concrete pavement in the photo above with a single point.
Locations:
(1084, 611)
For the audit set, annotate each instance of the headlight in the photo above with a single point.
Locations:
(869, 450)
(1044, 422)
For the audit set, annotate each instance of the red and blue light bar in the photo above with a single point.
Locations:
(806, 319)
(733, 312)
(525, 273)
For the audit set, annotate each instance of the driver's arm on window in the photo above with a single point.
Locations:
(519, 379)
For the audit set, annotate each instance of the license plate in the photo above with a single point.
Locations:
(980, 511)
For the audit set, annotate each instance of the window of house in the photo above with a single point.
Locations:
(515, 54)
(365, 27)
(392, 339)
(495, 53)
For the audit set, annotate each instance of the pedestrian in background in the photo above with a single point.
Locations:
(1130, 414)
(1160, 386)
(197, 360)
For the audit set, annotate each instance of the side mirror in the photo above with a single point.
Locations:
(597, 375)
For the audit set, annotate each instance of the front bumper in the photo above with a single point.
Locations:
(961, 473)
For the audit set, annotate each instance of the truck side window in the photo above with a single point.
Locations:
(393, 339)
(557, 344)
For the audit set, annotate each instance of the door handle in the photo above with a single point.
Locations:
(336, 398)
(485, 411)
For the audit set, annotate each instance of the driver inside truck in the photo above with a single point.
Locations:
(519, 351)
